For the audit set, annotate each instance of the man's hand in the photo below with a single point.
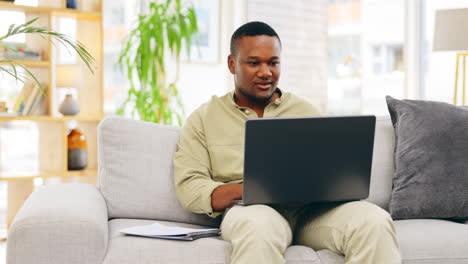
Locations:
(222, 196)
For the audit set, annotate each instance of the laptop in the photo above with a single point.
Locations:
(306, 160)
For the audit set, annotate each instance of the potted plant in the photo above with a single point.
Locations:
(156, 40)
(10, 66)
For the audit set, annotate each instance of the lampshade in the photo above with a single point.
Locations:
(451, 30)
(68, 76)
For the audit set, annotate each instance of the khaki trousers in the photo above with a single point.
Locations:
(361, 231)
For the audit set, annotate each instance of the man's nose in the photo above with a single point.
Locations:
(264, 71)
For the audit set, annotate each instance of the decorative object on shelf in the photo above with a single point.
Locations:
(164, 27)
(19, 51)
(77, 150)
(69, 106)
(3, 108)
(450, 35)
(71, 3)
(11, 66)
(68, 78)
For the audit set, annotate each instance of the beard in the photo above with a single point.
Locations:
(257, 100)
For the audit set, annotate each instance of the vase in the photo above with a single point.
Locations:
(69, 106)
(77, 150)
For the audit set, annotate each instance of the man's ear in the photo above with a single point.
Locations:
(231, 64)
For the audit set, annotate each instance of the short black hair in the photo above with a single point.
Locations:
(255, 28)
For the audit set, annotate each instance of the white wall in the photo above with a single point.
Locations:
(199, 82)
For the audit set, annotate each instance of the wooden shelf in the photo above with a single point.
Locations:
(52, 128)
(3, 234)
(25, 175)
(76, 14)
(81, 173)
(53, 11)
(29, 63)
(48, 118)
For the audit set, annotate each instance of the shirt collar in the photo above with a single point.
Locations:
(276, 102)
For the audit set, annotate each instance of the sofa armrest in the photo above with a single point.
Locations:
(65, 223)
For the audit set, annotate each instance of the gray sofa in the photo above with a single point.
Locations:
(78, 223)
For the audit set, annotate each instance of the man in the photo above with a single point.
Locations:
(209, 162)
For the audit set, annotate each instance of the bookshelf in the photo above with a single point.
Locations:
(32, 64)
(52, 127)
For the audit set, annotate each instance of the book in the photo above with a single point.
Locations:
(33, 97)
(36, 104)
(40, 108)
(157, 230)
(29, 92)
(19, 102)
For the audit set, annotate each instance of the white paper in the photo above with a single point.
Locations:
(170, 232)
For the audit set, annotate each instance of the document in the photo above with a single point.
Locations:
(157, 230)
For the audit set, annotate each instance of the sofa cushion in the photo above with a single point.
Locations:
(429, 241)
(431, 172)
(136, 174)
(422, 241)
(382, 163)
(124, 249)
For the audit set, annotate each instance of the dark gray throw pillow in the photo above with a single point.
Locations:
(431, 160)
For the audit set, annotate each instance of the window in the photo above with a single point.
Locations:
(365, 55)
(387, 58)
(117, 18)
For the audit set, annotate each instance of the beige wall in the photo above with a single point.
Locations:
(302, 27)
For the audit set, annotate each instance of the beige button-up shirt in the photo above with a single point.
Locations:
(210, 151)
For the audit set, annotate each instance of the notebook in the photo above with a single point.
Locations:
(157, 230)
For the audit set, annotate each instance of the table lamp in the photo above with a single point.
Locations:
(451, 35)
(68, 76)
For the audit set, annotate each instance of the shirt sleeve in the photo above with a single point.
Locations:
(192, 169)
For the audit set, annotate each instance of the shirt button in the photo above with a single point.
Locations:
(247, 111)
(278, 101)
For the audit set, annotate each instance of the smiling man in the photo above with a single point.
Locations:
(256, 70)
(209, 160)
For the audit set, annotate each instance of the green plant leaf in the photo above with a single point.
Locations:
(62, 39)
(14, 73)
(155, 38)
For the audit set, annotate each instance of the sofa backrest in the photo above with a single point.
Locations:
(135, 171)
(382, 163)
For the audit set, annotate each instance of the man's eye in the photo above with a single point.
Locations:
(274, 63)
(252, 62)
